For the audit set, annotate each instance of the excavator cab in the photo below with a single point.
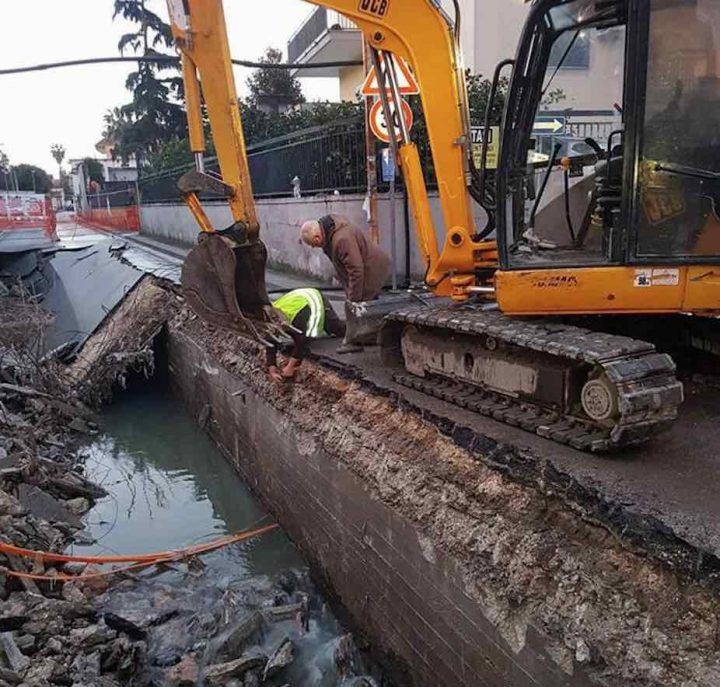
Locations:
(610, 152)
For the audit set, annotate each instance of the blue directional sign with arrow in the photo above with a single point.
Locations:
(549, 126)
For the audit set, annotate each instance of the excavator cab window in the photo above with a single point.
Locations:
(563, 139)
(678, 196)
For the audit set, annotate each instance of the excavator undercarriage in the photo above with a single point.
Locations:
(591, 390)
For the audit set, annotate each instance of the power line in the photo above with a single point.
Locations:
(169, 61)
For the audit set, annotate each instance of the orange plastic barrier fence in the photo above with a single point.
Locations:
(119, 219)
(25, 210)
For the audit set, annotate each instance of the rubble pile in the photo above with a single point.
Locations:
(176, 624)
(242, 632)
(50, 632)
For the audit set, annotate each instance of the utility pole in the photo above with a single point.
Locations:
(370, 161)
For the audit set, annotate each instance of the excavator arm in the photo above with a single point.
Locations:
(420, 33)
(223, 278)
(423, 35)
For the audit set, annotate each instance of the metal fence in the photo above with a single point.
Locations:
(114, 194)
(331, 158)
(115, 207)
(325, 159)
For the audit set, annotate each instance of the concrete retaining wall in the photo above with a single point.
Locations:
(280, 220)
(408, 598)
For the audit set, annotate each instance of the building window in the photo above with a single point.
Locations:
(579, 55)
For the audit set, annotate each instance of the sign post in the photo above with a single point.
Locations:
(370, 163)
(380, 128)
(388, 173)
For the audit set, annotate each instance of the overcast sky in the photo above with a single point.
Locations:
(66, 106)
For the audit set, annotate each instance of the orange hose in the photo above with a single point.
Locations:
(138, 560)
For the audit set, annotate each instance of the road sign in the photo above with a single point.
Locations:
(549, 126)
(493, 150)
(407, 84)
(378, 124)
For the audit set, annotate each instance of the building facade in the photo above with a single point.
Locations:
(589, 78)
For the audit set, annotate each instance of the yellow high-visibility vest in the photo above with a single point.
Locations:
(294, 301)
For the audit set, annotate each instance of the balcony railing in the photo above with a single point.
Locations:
(318, 23)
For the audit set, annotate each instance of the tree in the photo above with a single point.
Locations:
(258, 126)
(154, 115)
(58, 153)
(5, 181)
(32, 178)
(93, 171)
(271, 89)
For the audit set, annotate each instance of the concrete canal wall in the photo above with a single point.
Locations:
(455, 574)
(280, 220)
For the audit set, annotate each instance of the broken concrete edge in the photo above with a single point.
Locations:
(486, 576)
(641, 532)
(123, 342)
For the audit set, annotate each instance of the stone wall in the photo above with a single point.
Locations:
(401, 592)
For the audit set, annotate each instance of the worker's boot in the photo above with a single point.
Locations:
(348, 347)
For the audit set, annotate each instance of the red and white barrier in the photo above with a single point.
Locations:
(26, 210)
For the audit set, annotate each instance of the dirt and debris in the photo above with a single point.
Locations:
(199, 632)
(125, 628)
(50, 633)
(534, 565)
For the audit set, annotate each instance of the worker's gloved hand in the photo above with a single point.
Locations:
(275, 374)
(290, 368)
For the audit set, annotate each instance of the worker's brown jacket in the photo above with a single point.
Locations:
(361, 266)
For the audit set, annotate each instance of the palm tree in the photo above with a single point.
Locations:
(58, 152)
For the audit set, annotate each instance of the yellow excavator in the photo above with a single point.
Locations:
(531, 322)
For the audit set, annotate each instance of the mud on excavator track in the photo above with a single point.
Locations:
(593, 391)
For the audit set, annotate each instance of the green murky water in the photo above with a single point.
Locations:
(171, 488)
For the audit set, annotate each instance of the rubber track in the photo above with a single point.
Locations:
(648, 392)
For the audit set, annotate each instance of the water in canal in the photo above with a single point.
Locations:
(171, 488)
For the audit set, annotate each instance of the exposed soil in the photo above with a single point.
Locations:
(528, 559)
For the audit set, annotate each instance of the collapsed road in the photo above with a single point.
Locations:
(460, 550)
(669, 483)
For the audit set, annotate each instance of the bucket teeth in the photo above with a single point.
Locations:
(223, 281)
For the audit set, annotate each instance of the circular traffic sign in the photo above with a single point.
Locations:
(379, 125)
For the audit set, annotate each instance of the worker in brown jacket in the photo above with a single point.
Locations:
(360, 266)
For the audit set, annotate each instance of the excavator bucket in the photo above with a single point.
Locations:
(223, 280)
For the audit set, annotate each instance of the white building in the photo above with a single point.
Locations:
(489, 32)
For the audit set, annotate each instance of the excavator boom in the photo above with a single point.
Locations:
(223, 278)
